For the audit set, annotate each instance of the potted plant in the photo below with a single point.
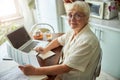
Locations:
(67, 3)
(118, 7)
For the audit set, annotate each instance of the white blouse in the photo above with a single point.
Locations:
(80, 53)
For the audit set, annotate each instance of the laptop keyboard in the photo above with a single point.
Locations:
(30, 47)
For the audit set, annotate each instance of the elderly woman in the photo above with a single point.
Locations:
(80, 48)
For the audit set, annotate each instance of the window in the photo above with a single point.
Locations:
(8, 10)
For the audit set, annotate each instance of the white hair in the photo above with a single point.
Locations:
(80, 6)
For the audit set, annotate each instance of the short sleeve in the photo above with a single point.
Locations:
(79, 57)
(62, 39)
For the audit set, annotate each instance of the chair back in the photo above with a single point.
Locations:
(98, 67)
(42, 31)
(42, 27)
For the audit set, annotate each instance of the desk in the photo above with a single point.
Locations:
(54, 59)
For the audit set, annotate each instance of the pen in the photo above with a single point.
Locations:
(7, 59)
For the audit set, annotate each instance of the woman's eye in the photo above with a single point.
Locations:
(69, 16)
(77, 15)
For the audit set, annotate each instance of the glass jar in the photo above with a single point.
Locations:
(38, 35)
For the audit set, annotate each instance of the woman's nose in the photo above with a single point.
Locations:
(73, 18)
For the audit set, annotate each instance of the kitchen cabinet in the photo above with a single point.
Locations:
(110, 44)
(108, 33)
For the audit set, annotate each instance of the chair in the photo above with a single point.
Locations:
(39, 28)
(98, 67)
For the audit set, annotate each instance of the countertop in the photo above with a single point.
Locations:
(112, 24)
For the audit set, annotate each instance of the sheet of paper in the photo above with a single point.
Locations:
(30, 59)
(23, 58)
(10, 71)
(42, 44)
(13, 74)
(7, 65)
(46, 55)
(41, 77)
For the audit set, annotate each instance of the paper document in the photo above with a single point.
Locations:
(42, 44)
(10, 71)
(41, 77)
(23, 58)
(46, 55)
(7, 65)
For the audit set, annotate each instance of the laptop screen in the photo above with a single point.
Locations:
(18, 37)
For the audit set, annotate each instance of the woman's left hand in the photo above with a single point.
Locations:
(28, 69)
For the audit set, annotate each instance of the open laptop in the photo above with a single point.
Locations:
(20, 39)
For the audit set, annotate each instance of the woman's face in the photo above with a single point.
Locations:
(77, 20)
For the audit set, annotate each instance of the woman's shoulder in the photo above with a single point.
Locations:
(70, 32)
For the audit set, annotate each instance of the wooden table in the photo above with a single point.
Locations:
(54, 59)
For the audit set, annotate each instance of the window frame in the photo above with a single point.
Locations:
(15, 16)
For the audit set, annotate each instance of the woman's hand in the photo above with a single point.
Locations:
(41, 50)
(28, 70)
(53, 44)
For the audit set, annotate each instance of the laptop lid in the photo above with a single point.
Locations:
(19, 37)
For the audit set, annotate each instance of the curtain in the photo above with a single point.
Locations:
(27, 13)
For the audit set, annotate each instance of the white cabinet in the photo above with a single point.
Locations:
(110, 44)
(97, 31)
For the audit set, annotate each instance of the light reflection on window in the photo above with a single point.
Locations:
(8, 9)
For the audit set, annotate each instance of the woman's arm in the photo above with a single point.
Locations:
(49, 70)
(53, 44)
(53, 70)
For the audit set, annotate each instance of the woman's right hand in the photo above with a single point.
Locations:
(40, 50)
